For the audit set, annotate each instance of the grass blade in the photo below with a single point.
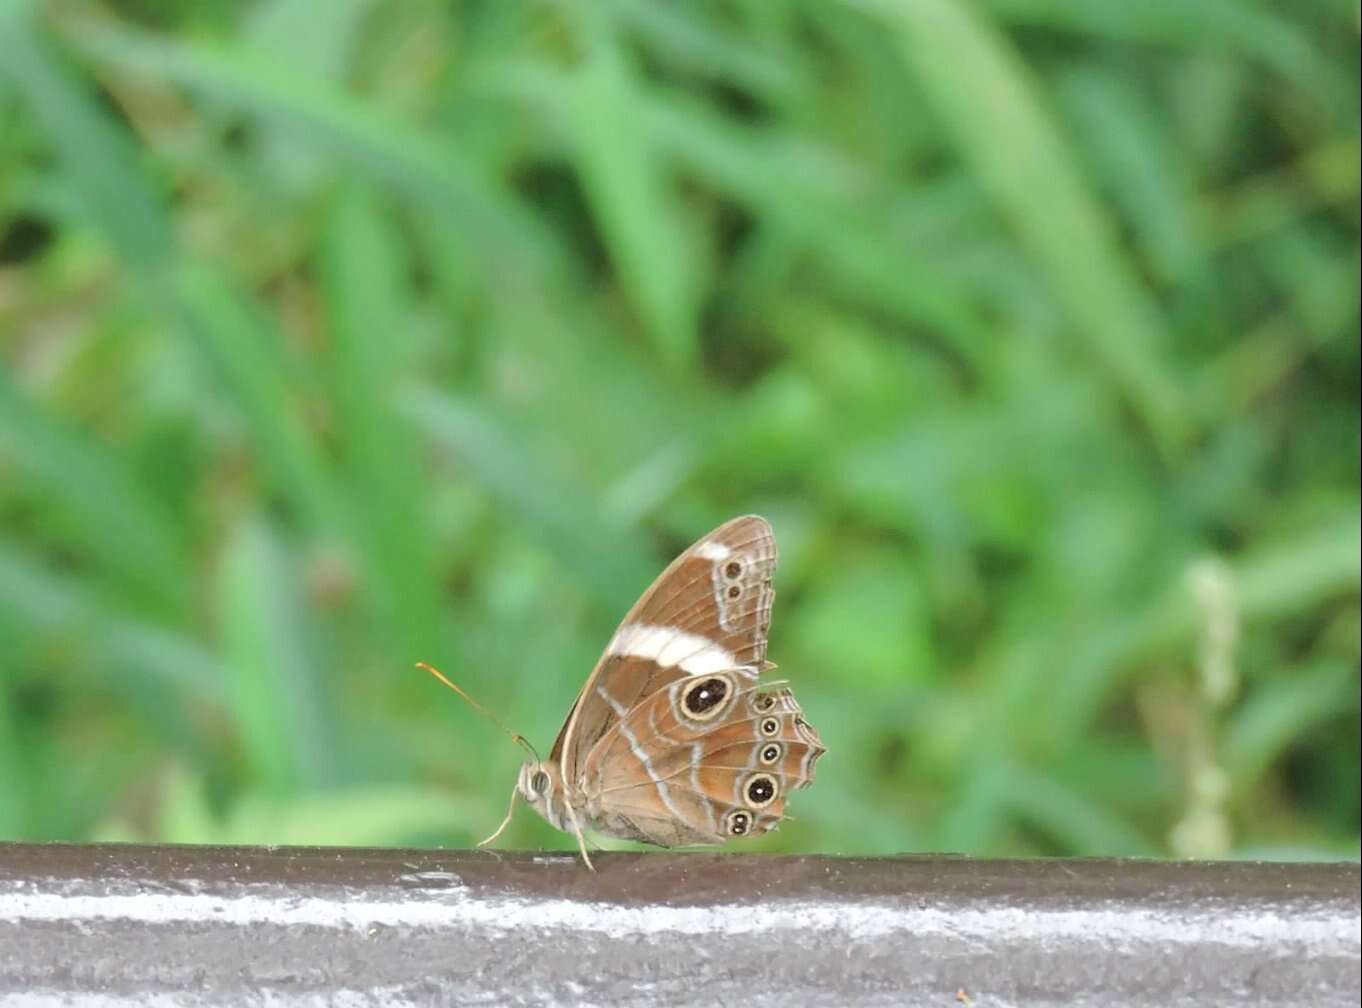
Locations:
(281, 710)
(94, 153)
(109, 513)
(627, 186)
(992, 108)
(547, 503)
(369, 360)
(249, 356)
(413, 163)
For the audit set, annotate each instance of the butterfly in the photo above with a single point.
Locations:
(674, 740)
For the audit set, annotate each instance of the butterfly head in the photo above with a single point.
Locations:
(541, 784)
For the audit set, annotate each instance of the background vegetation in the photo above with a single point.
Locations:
(339, 334)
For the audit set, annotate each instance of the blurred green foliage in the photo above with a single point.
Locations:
(338, 334)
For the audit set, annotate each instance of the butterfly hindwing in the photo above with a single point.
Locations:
(700, 761)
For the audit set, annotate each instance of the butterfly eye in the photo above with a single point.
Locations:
(771, 753)
(704, 700)
(770, 727)
(539, 783)
(760, 790)
(738, 822)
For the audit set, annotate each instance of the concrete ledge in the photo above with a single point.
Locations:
(113, 925)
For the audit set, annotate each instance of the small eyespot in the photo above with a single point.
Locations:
(771, 753)
(764, 702)
(732, 570)
(760, 790)
(539, 783)
(734, 592)
(705, 699)
(738, 823)
(770, 727)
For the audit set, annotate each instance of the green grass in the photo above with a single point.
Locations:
(330, 343)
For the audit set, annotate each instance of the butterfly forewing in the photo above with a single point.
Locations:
(708, 612)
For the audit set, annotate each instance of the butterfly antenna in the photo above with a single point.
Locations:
(516, 737)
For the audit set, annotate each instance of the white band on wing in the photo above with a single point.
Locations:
(671, 648)
(712, 551)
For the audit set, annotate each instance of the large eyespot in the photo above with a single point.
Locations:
(705, 699)
(770, 753)
(760, 790)
(770, 726)
(737, 822)
(539, 783)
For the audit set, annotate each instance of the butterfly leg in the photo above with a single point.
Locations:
(510, 811)
(581, 837)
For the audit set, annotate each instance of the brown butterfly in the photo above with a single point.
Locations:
(674, 740)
